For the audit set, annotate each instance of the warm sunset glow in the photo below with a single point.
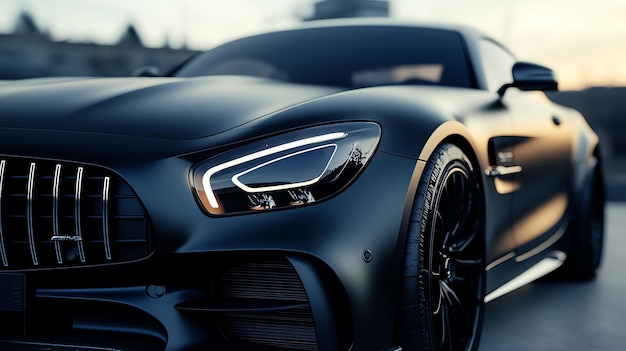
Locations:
(583, 41)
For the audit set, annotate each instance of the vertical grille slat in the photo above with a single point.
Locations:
(55, 210)
(64, 214)
(105, 217)
(77, 213)
(3, 252)
(30, 198)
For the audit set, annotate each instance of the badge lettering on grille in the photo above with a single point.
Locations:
(66, 238)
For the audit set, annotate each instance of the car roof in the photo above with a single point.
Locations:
(385, 22)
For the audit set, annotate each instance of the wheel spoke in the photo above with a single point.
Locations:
(462, 242)
(442, 229)
(450, 296)
(459, 325)
(468, 298)
(463, 216)
(458, 213)
(447, 337)
(439, 302)
(467, 262)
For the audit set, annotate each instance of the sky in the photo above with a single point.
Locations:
(583, 41)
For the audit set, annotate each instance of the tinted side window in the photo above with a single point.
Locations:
(497, 63)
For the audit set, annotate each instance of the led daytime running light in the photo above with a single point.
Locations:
(242, 186)
(206, 178)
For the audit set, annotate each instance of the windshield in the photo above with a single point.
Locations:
(348, 56)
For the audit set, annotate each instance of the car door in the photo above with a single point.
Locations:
(498, 134)
(493, 128)
(534, 161)
(543, 152)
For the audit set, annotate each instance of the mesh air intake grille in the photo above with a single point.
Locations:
(290, 327)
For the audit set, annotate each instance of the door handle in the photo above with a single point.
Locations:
(499, 171)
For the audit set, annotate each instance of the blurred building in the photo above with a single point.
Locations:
(29, 52)
(326, 9)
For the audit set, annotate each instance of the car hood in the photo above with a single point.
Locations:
(169, 108)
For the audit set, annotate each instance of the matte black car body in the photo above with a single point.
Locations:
(160, 272)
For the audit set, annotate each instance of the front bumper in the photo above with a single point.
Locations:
(290, 279)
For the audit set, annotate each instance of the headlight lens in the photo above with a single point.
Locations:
(288, 170)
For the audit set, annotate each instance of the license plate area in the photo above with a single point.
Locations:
(12, 304)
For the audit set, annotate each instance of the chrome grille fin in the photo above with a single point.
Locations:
(105, 216)
(55, 210)
(3, 252)
(29, 212)
(77, 214)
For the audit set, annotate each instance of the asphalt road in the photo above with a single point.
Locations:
(549, 315)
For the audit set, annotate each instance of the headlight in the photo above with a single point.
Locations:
(288, 170)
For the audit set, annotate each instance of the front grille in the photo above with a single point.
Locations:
(62, 214)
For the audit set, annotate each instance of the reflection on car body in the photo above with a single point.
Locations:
(346, 185)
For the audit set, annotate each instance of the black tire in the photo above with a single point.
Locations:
(444, 275)
(587, 230)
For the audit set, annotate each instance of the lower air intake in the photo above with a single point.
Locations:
(291, 330)
(273, 283)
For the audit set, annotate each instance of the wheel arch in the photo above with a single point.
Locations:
(586, 155)
(449, 132)
(600, 168)
(454, 133)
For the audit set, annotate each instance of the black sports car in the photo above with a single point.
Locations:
(347, 185)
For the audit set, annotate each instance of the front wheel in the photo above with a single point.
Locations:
(444, 273)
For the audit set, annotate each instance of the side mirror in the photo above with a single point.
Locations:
(529, 76)
(147, 71)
